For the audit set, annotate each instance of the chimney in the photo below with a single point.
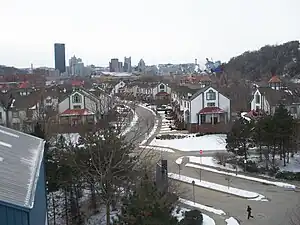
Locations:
(195, 61)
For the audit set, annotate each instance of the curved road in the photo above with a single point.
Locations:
(273, 212)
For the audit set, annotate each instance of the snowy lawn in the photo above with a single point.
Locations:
(205, 143)
(232, 221)
(209, 161)
(263, 181)
(217, 187)
(292, 166)
(180, 215)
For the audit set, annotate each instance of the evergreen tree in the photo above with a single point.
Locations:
(238, 137)
(193, 217)
(147, 206)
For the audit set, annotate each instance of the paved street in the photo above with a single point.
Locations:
(272, 212)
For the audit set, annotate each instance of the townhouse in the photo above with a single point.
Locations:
(267, 99)
(203, 109)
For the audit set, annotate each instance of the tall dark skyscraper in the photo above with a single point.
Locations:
(60, 57)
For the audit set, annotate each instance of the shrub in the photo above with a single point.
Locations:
(222, 158)
(287, 175)
(193, 217)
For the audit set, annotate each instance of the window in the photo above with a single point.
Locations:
(76, 98)
(185, 104)
(0, 115)
(211, 104)
(257, 99)
(162, 86)
(77, 107)
(211, 95)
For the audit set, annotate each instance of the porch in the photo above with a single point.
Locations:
(212, 116)
(210, 120)
(77, 117)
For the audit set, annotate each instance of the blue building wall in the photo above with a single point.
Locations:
(37, 215)
(13, 215)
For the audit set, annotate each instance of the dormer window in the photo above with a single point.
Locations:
(76, 98)
(211, 95)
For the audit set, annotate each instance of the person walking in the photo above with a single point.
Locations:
(249, 210)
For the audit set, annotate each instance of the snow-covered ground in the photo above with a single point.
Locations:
(232, 221)
(210, 161)
(219, 212)
(275, 183)
(217, 187)
(132, 123)
(205, 143)
(292, 166)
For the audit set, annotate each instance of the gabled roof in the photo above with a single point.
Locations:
(274, 79)
(21, 156)
(275, 97)
(200, 91)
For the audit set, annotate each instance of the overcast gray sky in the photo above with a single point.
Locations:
(159, 31)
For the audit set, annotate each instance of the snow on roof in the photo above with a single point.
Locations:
(22, 156)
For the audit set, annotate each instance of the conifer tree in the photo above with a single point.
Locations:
(146, 206)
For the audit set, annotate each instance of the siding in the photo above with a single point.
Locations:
(37, 214)
(12, 216)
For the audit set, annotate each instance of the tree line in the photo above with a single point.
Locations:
(272, 135)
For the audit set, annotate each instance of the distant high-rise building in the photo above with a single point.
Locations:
(114, 65)
(127, 64)
(60, 57)
(141, 66)
(76, 67)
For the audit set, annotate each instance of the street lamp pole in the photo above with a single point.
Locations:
(193, 183)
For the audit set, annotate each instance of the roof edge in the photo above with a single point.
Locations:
(30, 196)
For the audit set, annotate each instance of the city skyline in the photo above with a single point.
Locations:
(158, 32)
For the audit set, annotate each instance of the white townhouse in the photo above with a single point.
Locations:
(81, 107)
(207, 110)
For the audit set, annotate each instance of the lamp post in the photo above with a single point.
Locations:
(200, 171)
(193, 183)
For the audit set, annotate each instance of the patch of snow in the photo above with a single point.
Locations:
(205, 143)
(263, 181)
(214, 186)
(210, 161)
(292, 166)
(72, 138)
(202, 207)
(232, 221)
(132, 123)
